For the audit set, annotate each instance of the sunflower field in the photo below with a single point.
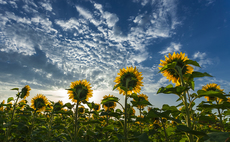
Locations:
(47, 121)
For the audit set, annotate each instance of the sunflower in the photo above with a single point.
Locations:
(81, 109)
(25, 92)
(22, 104)
(133, 76)
(58, 106)
(171, 74)
(141, 97)
(9, 106)
(109, 105)
(131, 111)
(1, 108)
(49, 107)
(83, 87)
(212, 87)
(39, 103)
(96, 107)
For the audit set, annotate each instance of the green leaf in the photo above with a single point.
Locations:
(172, 90)
(134, 96)
(109, 99)
(218, 136)
(10, 99)
(91, 122)
(15, 89)
(184, 128)
(218, 94)
(192, 84)
(168, 66)
(142, 102)
(191, 62)
(153, 114)
(143, 138)
(199, 74)
(68, 105)
(108, 128)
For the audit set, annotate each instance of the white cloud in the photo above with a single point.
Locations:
(11, 15)
(3, 2)
(199, 55)
(47, 6)
(174, 47)
(14, 5)
(144, 2)
(203, 60)
(111, 19)
(85, 13)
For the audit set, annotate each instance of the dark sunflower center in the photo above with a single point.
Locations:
(96, 107)
(212, 89)
(132, 83)
(81, 110)
(141, 99)
(83, 92)
(24, 92)
(39, 103)
(109, 104)
(181, 64)
(57, 107)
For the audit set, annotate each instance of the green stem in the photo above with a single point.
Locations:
(50, 124)
(140, 122)
(188, 122)
(220, 116)
(125, 122)
(12, 120)
(166, 136)
(76, 124)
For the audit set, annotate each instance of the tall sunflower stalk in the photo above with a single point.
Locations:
(79, 91)
(175, 68)
(128, 81)
(23, 94)
(215, 87)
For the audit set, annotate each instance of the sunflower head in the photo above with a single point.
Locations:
(25, 92)
(141, 97)
(129, 78)
(172, 74)
(58, 106)
(9, 106)
(109, 105)
(212, 87)
(96, 107)
(39, 102)
(2, 108)
(22, 104)
(49, 107)
(80, 90)
(81, 109)
(131, 111)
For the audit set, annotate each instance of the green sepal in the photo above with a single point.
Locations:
(168, 66)
(116, 86)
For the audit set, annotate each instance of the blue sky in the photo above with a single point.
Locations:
(49, 44)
